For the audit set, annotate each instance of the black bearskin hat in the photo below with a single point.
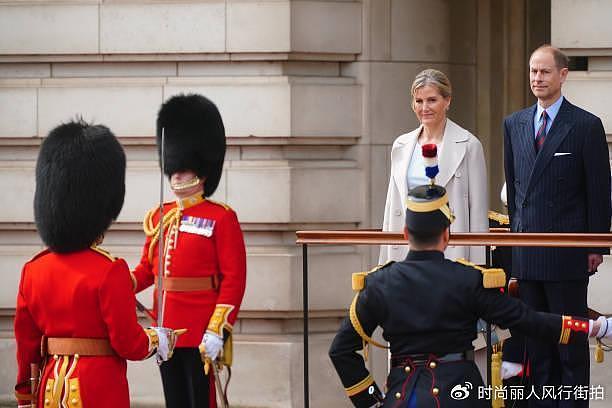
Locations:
(194, 138)
(80, 185)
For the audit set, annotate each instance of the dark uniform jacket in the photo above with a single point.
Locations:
(427, 307)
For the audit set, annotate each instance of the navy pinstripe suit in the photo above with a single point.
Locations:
(563, 188)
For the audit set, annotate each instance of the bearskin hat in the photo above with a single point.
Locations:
(80, 185)
(194, 138)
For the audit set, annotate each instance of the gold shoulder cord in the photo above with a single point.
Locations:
(491, 277)
(170, 217)
(358, 283)
(357, 325)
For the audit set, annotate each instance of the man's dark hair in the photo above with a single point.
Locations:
(424, 238)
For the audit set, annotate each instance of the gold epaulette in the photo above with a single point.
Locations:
(227, 207)
(103, 252)
(358, 278)
(491, 277)
(502, 219)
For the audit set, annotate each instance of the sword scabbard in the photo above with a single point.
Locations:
(34, 382)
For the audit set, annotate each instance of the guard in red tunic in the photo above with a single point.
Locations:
(204, 264)
(75, 322)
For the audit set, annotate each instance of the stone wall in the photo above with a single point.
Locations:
(312, 93)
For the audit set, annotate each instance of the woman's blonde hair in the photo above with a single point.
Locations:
(435, 78)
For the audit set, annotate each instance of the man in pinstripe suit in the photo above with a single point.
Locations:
(558, 180)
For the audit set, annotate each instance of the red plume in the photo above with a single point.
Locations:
(430, 150)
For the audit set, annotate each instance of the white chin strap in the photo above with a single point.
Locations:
(186, 185)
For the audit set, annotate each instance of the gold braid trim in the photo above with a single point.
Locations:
(153, 340)
(218, 320)
(170, 217)
(502, 219)
(426, 206)
(565, 330)
(358, 328)
(102, 252)
(491, 277)
(360, 386)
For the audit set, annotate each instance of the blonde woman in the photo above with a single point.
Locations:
(460, 159)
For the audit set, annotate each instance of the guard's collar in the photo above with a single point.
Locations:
(425, 255)
(190, 201)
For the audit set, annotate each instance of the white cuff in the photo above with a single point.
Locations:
(509, 370)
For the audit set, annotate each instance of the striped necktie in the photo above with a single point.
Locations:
(541, 135)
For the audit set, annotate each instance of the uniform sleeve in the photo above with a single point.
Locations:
(231, 253)
(28, 337)
(118, 308)
(350, 366)
(508, 312)
(478, 197)
(597, 182)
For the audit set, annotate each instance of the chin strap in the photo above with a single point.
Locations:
(185, 185)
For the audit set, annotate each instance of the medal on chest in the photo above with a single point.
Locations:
(198, 226)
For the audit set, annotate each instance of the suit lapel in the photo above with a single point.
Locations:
(557, 133)
(400, 157)
(453, 151)
(527, 138)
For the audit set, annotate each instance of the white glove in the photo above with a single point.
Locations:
(605, 328)
(509, 370)
(212, 345)
(165, 341)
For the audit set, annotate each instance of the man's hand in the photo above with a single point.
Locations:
(212, 345)
(594, 261)
(167, 340)
(509, 369)
(602, 327)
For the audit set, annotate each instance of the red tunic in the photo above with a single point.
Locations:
(203, 239)
(86, 294)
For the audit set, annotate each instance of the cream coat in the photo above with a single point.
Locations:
(462, 173)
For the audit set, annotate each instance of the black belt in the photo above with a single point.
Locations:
(423, 359)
